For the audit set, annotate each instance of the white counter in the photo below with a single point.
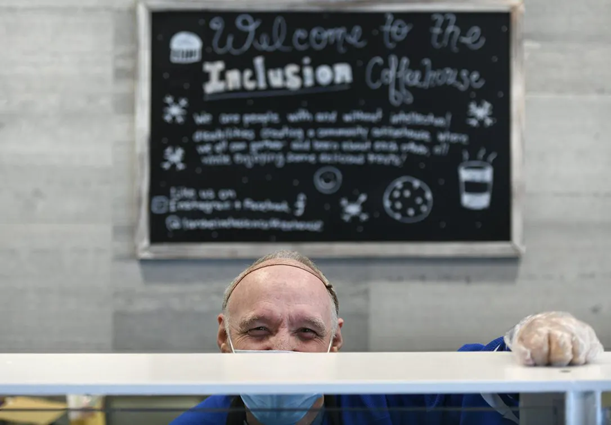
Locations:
(337, 373)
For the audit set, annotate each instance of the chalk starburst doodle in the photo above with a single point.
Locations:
(480, 114)
(173, 157)
(175, 110)
(354, 209)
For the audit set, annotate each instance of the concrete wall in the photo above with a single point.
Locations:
(68, 280)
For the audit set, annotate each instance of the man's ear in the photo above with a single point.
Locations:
(338, 340)
(222, 339)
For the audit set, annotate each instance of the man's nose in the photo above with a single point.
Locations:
(282, 340)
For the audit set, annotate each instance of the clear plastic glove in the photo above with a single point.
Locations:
(554, 338)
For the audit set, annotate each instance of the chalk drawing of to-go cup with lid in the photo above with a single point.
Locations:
(475, 179)
(185, 47)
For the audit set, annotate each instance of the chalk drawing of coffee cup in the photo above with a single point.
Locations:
(185, 47)
(475, 179)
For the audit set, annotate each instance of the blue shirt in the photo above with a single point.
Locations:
(394, 409)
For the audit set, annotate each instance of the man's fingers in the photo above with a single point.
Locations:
(538, 345)
(523, 355)
(594, 347)
(554, 338)
(579, 352)
(560, 348)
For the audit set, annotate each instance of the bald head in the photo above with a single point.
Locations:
(280, 304)
(289, 258)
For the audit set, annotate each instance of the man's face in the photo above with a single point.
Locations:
(280, 308)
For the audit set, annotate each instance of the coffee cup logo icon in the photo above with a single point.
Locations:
(476, 181)
(185, 48)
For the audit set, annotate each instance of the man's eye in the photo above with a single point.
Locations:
(306, 330)
(258, 330)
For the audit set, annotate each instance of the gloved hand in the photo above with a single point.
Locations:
(554, 338)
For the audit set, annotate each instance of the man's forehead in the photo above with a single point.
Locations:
(279, 279)
(279, 265)
(281, 274)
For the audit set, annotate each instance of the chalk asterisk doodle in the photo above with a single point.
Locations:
(354, 209)
(175, 110)
(173, 156)
(480, 114)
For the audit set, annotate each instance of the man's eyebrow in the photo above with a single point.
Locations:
(250, 321)
(313, 323)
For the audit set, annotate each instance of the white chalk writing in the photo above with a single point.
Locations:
(398, 77)
(202, 118)
(302, 115)
(223, 134)
(415, 118)
(248, 31)
(449, 137)
(401, 133)
(208, 201)
(246, 223)
(357, 131)
(292, 77)
(282, 133)
(266, 118)
(351, 144)
(249, 161)
(394, 30)
(363, 116)
(445, 33)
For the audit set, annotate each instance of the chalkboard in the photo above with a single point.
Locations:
(337, 129)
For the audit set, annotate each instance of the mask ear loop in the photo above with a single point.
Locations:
(229, 338)
(331, 343)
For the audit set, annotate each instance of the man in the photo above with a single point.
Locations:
(283, 302)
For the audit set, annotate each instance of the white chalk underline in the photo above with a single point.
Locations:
(222, 96)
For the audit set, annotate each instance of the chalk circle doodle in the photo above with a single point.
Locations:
(328, 180)
(175, 110)
(408, 200)
(480, 114)
(172, 222)
(160, 205)
(354, 209)
(185, 48)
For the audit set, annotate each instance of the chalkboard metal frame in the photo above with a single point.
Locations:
(513, 248)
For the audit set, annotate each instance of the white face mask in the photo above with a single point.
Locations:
(284, 409)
